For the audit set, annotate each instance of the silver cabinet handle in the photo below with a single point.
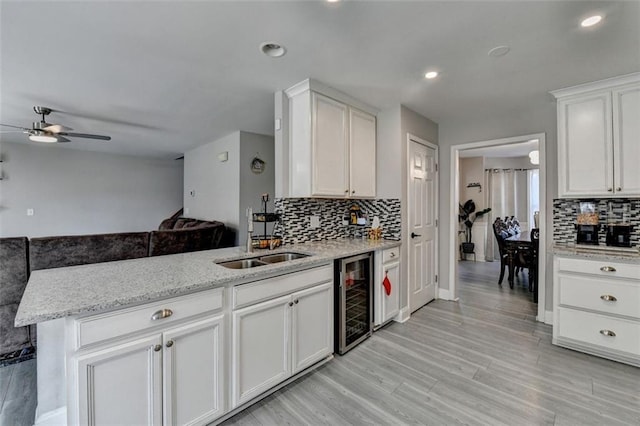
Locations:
(610, 189)
(170, 343)
(162, 313)
(296, 301)
(346, 191)
(353, 192)
(608, 269)
(157, 348)
(608, 298)
(608, 333)
(393, 254)
(290, 303)
(619, 188)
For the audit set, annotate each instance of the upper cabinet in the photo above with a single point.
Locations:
(599, 138)
(325, 144)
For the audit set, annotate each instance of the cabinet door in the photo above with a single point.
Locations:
(121, 384)
(390, 303)
(585, 151)
(260, 348)
(193, 372)
(626, 140)
(312, 326)
(329, 155)
(362, 154)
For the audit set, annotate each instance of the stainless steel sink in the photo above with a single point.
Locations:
(282, 257)
(242, 263)
(261, 261)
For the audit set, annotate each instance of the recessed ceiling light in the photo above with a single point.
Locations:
(272, 49)
(590, 21)
(333, 1)
(498, 51)
(431, 74)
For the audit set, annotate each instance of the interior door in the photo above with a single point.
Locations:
(422, 224)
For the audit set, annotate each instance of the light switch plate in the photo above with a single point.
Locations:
(314, 222)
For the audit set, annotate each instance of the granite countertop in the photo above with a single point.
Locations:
(625, 255)
(62, 292)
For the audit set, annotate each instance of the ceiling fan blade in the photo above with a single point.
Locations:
(61, 139)
(15, 127)
(57, 128)
(85, 135)
(14, 131)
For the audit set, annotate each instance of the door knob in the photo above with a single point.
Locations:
(170, 343)
(413, 235)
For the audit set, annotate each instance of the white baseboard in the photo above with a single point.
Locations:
(403, 315)
(57, 417)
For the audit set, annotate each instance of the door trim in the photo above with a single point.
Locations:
(412, 138)
(545, 239)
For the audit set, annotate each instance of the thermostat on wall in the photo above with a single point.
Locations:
(223, 156)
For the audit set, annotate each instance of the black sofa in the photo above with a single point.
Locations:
(19, 256)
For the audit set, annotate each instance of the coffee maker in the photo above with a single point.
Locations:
(618, 226)
(588, 223)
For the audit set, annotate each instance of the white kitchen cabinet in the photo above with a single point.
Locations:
(327, 144)
(312, 334)
(277, 338)
(121, 384)
(598, 134)
(152, 372)
(597, 308)
(387, 306)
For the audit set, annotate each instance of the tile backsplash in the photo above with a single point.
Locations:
(294, 226)
(565, 215)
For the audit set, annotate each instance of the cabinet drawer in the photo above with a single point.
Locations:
(589, 328)
(96, 328)
(391, 255)
(620, 297)
(250, 293)
(620, 270)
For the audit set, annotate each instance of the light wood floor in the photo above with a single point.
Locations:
(483, 360)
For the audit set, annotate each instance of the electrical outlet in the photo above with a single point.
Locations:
(314, 222)
(186, 210)
(29, 212)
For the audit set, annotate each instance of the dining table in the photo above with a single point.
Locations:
(515, 245)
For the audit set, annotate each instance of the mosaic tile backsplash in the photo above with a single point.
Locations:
(565, 215)
(295, 212)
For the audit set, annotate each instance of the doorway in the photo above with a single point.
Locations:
(422, 187)
(455, 211)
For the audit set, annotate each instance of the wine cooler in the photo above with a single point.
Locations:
(354, 301)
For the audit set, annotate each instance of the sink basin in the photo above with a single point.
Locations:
(242, 263)
(282, 257)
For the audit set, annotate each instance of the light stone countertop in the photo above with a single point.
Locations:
(62, 292)
(624, 255)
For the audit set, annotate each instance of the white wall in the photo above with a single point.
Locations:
(224, 189)
(252, 185)
(471, 171)
(508, 163)
(540, 118)
(76, 192)
(211, 186)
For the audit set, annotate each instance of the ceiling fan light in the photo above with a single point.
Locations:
(42, 137)
(534, 157)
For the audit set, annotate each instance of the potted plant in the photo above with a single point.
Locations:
(468, 216)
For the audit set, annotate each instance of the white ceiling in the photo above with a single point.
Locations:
(164, 77)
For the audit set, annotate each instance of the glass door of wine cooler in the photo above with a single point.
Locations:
(354, 297)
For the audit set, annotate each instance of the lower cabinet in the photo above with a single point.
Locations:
(597, 308)
(168, 376)
(387, 303)
(275, 339)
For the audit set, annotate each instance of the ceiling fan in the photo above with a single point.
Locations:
(41, 131)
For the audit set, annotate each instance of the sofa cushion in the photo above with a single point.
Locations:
(167, 224)
(203, 237)
(14, 269)
(56, 252)
(13, 338)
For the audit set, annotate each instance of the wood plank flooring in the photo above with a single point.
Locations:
(481, 361)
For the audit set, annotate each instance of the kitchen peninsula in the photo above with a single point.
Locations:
(192, 340)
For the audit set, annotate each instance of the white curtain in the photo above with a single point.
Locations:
(506, 192)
